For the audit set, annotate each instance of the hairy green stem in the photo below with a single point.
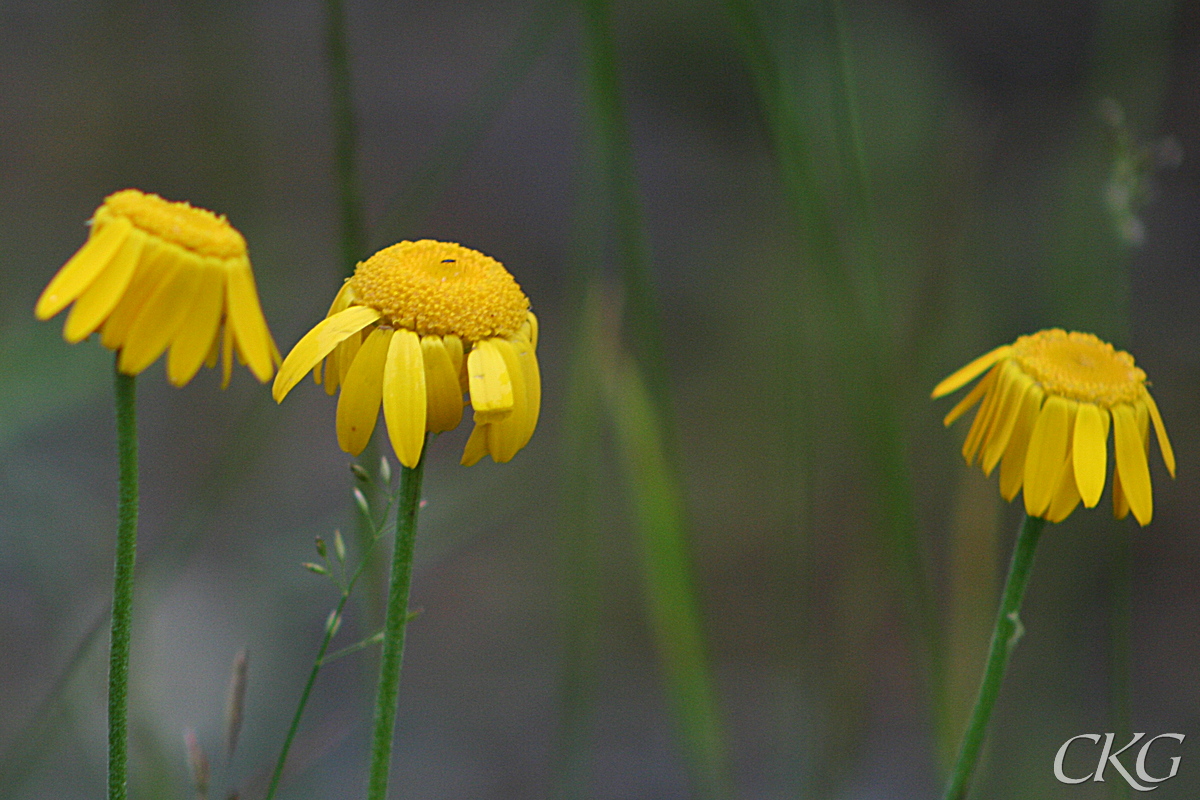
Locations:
(1005, 636)
(122, 607)
(388, 690)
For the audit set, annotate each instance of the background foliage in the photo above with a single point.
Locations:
(756, 234)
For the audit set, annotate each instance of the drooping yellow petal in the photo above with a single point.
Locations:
(454, 348)
(490, 384)
(1089, 453)
(983, 417)
(476, 447)
(1120, 501)
(971, 398)
(1047, 455)
(404, 396)
(1160, 432)
(533, 385)
(506, 436)
(345, 354)
(226, 354)
(1130, 449)
(160, 317)
(157, 265)
(215, 352)
(444, 399)
(198, 333)
(249, 327)
(963, 376)
(82, 268)
(317, 343)
(529, 330)
(362, 391)
(1012, 466)
(1066, 496)
(1012, 386)
(101, 296)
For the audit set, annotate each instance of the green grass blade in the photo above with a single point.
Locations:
(659, 519)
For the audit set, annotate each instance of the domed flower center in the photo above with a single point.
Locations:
(441, 288)
(1079, 366)
(195, 229)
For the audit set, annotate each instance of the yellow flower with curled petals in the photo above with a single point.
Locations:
(155, 275)
(417, 325)
(1048, 403)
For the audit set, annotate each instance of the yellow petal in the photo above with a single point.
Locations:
(1013, 384)
(1012, 467)
(529, 330)
(1089, 454)
(476, 445)
(226, 354)
(490, 383)
(156, 266)
(444, 403)
(1066, 496)
(249, 327)
(317, 343)
(82, 268)
(344, 354)
(967, 373)
(1160, 432)
(506, 436)
(1047, 455)
(971, 398)
(983, 417)
(362, 391)
(160, 316)
(404, 397)
(197, 335)
(1129, 444)
(102, 294)
(533, 386)
(215, 352)
(1120, 501)
(342, 300)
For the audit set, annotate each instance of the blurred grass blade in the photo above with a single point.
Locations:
(610, 132)
(353, 236)
(861, 353)
(583, 512)
(404, 210)
(667, 571)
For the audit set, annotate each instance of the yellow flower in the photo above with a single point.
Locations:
(1049, 400)
(419, 324)
(155, 274)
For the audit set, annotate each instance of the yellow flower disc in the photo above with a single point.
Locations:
(195, 229)
(1079, 366)
(441, 288)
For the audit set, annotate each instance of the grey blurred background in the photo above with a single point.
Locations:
(993, 155)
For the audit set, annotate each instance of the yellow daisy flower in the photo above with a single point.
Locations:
(155, 274)
(419, 324)
(1048, 401)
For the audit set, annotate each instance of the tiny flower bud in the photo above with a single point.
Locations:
(316, 569)
(333, 623)
(385, 469)
(339, 546)
(360, 500)
(360, 473)
(320, 547)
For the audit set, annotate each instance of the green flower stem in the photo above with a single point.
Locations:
(1005, 636)
(122, 607)
(388, 690)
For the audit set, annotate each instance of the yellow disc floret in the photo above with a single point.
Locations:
(196, 230)
(441, 288)
(1080, 366)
